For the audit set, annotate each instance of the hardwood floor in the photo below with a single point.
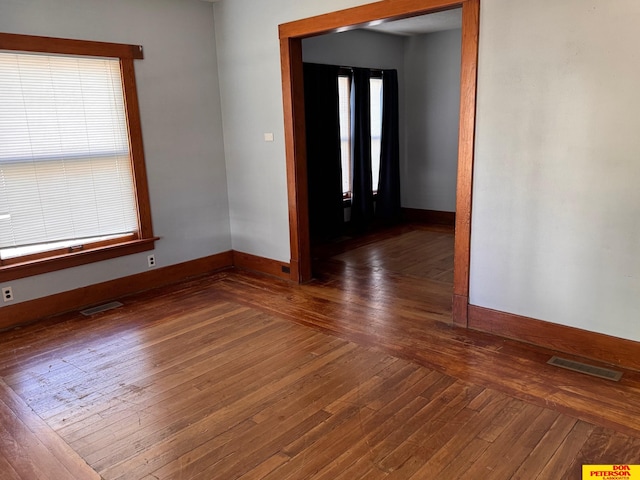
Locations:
(356, 375)
(410, 249)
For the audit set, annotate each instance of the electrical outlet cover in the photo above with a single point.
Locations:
(7, 294)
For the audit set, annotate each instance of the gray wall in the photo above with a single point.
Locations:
(251, 93)
(432, 90)
(556, 203)
(181, 123)
(356, 48)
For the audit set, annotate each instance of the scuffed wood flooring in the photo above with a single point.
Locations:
(356, 375)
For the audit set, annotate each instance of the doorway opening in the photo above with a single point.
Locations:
(403, 222)
(291, 35)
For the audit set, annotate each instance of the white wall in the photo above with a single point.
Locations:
(181, 122)
(556, 201)
(432, 89)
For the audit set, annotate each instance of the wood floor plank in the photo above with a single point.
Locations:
(564, 457)
(117, 411)
(384, 433)
(355, 375)
(442, 409)
(435, 431)
(265, 449)
(399, 457)
(545, 449)
(189, 410)
(155, 388)
(495, 455)
(54, 338)
(85, 375)
(457, 448)
(266, 467)
(7, 470)
(100, 357)
(439, 347)
(521, 445)
(13, 443)
(261, 443)
(606, 447)
(31, 448)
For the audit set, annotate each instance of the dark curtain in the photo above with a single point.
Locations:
(362, 207)
(326, 211)
(388, 199)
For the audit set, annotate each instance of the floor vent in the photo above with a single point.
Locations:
(100, 308)
(585, 368)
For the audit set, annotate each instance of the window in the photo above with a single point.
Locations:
(344, 96)
(376, 130)
(72, 177)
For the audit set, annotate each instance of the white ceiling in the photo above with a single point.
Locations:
(433, 22)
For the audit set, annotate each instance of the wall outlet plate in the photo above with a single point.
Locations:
(7, 294)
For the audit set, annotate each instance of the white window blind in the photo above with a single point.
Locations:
(65, 171)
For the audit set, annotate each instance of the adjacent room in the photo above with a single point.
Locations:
(411, 202)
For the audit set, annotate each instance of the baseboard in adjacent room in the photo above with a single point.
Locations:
(433, 217)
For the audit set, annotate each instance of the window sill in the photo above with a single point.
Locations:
(346, 200)
(68, 260)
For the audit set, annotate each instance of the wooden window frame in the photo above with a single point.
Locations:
(143, 239)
